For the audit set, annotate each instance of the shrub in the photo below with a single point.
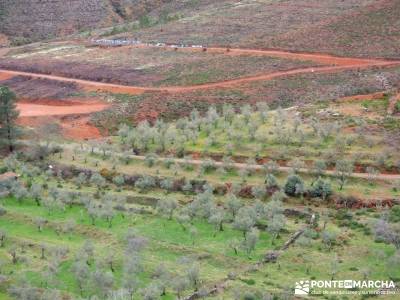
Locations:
(145, 182)
(321, 189)
(291, 184)
(395, 214)
(150, 160)
(208, 166)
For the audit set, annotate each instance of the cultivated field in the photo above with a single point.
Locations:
(101, 220)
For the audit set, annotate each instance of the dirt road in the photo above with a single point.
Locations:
(116, 88)
(315, 57)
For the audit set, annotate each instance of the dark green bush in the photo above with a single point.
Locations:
(291, 184)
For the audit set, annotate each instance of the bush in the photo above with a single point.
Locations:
(291, 184)
(208, 166)
(150, 160)
(321, 189)
(145, 182)
(395, 214)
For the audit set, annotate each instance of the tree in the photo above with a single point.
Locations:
(193, 233)
(102, 282)
(166, 207)
(274, 206)
(271, 181)
(40, 222)
(162, 276)
(372, 174)
(217, 218)
(271, 167)
(321, 189)
(193, 275)
(119, 181)
(258, 192)
(183, 219)
(3, 236)
(167, 184)
(131, 268)
(388, 233)
(343, 171)
(328, 238)
(296, 165)
(292, 182)
(245, 219)
(19, 191)
(179, 285)
(275, 225)
(187, 187)
(87, 252)
(108, 212)
(151, 292)
(36, 192)
(334, 266)
(233, 204)
(234, 244)
(251, 240)
(8, 116)
(150, 160)
(318, 169)
(13, 253)
(93, 211)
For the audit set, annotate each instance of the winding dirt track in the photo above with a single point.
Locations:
(335, 64)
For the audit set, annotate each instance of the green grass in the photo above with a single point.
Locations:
(168, 242)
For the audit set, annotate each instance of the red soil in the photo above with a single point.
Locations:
(373, 96)
(72, 116)
(315, 57)
(80, 129)
(40, 110)
(5, 76)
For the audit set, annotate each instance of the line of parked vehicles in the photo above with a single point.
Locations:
(130, 42)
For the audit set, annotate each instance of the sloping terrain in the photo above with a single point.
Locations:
(144, 66)
(373, 31)
(362, 28)
(25, 21)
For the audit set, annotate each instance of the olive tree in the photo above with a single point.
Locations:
(245, 219)
(343, 170)
(166, 207)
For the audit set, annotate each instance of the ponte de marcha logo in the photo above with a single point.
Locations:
(302, 287)
(306, 287)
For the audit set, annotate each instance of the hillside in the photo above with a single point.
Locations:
(372, 31)
(31, 20)
(347, 28)
(353, 27)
